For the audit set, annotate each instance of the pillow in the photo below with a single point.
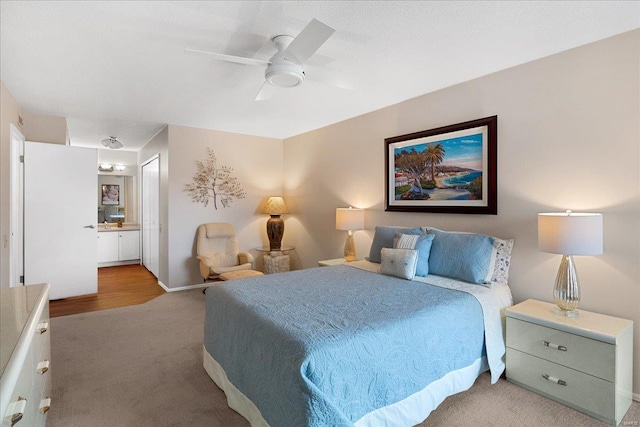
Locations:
(399, 262)
(464, 256)
(383, 238)
(503, 261)
(421, 243)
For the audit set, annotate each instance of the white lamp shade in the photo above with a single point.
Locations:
(570, 233)
(349, 219)
(275, 206)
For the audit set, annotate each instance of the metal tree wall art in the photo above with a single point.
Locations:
(213, 182)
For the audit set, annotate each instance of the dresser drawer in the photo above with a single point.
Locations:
(586, 393)
(582, 354)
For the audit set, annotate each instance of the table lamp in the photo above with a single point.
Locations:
(275, 225)
(569, 234)
(349, 219)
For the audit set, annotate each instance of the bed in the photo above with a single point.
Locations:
(348, 346)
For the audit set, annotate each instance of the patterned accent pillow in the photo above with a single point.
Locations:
(422, 244)
(503, 260)
(383, 238)
(399, 262)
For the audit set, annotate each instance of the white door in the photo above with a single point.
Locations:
(151, 216)
(16, 227)
(60, 216)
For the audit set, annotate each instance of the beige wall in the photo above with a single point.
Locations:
(44, 128)
(257, 164)
(9, 114)
(568, 137)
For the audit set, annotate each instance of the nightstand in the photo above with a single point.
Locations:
(329, 262)
(583, 362)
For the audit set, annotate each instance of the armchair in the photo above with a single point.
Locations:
(217, 251)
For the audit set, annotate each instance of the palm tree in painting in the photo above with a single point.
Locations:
(434, 155)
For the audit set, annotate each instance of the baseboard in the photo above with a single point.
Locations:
(635, 396)
(183, 288)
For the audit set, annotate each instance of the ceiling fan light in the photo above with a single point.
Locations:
(284, 75)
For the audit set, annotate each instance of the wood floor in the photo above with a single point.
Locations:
(117, 287)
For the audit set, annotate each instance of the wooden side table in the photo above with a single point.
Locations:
(583, 362)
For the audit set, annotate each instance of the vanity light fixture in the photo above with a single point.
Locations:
(105, 167)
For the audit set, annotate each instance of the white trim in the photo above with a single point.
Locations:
(636, 397)
(184, 288)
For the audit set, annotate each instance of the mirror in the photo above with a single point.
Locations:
(117, 199)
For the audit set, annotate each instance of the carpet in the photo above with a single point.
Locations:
(142, 366)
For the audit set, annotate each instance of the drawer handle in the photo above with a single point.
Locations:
(45, 405)
(42, 327)
(17, 411)
(43, 367)
(554, 379)
(556, 346)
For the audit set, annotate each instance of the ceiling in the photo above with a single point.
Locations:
(120, 68)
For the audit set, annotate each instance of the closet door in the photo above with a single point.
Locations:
(151, 216)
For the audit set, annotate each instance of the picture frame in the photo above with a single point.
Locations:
(450, 169)
(110, 194)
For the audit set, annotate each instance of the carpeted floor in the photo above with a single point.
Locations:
(142, 366)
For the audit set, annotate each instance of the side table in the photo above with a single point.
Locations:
(276, 261)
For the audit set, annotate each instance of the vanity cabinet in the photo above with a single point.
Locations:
(117, 246)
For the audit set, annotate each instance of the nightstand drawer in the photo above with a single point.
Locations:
(579, 353)
(586, 393)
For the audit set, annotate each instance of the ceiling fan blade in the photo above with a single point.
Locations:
(228, 58)
(266, 91)
(308, 41)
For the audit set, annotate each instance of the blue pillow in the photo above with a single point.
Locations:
(463, 256)
(423, 246)
(383, 238)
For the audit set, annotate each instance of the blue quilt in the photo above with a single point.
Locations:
(326, 346)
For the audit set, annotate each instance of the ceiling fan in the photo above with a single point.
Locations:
(286, 67)
(112, 142)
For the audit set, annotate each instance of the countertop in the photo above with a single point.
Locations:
(114, 227)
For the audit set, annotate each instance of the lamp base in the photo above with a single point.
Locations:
(566, 292)
(275, 231)
(349, 248)
(566, 313)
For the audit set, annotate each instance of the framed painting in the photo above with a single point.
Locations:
(110, 194)
(450, 169)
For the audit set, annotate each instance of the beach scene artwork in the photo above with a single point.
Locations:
(440, 169)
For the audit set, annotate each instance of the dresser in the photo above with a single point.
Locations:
(25, 355)
(583, 362)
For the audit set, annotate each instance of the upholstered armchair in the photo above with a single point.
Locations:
(217, 251)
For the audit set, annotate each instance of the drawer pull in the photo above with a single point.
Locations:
(17, 412)
(45, 405)
(42, 327)
(43, 367)
(556, 346)
(554, 379)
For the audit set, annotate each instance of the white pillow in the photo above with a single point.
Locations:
(399, 262)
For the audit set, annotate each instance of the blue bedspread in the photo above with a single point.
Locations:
(326, 346)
